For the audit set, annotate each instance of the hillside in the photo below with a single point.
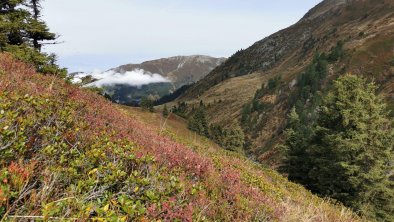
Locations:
(175, 72)
(364, 30)
(181, 70)
(68, 154)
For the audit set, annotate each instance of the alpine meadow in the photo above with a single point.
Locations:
(183, 125)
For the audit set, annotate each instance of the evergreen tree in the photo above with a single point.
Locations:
(347, 157)
(216, 133)
(165, 111)
(21, 23)
(246, 111)
(181, 109)
(298, 163)
(353, 149)
(336, 52)
(37, 30)
(147, 104)
(22, 33)
(13, 22)
(234, 139)
(198, 122)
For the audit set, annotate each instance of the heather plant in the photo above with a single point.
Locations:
(95, 177)
(69, 154)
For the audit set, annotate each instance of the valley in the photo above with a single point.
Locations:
(157, 78)
(299, 126)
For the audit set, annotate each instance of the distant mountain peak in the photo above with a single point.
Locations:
(180, 70)
(364, 30)
(322, 8)
(160, 77)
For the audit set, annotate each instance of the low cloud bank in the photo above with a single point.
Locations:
(137, 77)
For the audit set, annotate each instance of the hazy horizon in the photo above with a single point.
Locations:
(134, 31)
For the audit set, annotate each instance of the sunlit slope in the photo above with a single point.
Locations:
(364, 27)
(67, 153)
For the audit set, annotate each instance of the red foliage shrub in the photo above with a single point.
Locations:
(102, 117)
(171, 211)
(224, 195)
(3, 198)
(18, 170)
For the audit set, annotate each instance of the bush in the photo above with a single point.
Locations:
(392, 62)
(147, 104)
(231, 138)
(69, 154)
(336, 52)
(42, 62)
(274, 82)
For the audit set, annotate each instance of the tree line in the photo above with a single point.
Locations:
(231, 138)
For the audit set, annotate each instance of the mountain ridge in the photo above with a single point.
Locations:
(365, 28)
(178, 70)
(181, 70)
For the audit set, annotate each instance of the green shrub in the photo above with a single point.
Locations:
(43, 142)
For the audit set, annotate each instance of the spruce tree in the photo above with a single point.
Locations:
(234, 139)
(348, 154)
(353, 147)
(13, 22)
(37, 30)
(165, 111)
(22, 33)
(147, 104)
(21, 23)
(198, 122)
(298, 137)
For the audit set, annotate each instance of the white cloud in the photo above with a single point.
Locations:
(137, 77)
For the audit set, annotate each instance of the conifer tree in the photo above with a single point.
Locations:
(348, 155)
(21, 23)
(246, 111)
(234, 139)
(12, 22)
(353, 148)
(22, 33)
(147, 104)
(298, 163)
(198, 122)
(37, 30)
(165, 111)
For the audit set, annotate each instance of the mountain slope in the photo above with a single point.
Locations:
(68, 154)
(180, 70)
(364, 27)
(127, 84)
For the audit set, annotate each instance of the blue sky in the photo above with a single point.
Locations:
(101, 34)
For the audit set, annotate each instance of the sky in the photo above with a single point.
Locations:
(102, 34)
